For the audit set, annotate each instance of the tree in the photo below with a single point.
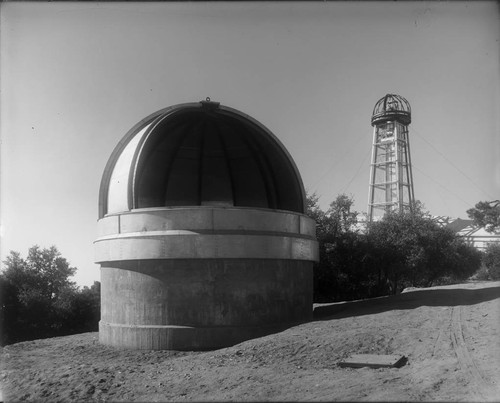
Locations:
(341, 218)
(486, 214)
(39, 300)
(339, 248)
(80, 311)
(37, 282)
(492, 260)
(322, 280)
(403, 249)
(412, 250)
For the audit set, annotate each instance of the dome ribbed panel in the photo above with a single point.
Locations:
(119, 182)
(199, 159)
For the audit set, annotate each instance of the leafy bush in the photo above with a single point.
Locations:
(491, 260)
(404, 249)
(482, 274)
(38, 300)
(486, 214)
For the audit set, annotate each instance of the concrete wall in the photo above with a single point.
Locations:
(203, 277)
(201, 304)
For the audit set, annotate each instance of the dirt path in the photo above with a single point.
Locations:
(451, 336)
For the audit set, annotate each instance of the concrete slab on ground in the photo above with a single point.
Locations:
(374, 361)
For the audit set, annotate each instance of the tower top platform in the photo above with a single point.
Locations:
(391, 107)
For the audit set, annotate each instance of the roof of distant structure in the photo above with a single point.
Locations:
(200, 154)
(466, 228)
(460, 224)
(391, 107)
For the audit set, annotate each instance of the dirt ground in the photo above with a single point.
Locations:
(450, 335)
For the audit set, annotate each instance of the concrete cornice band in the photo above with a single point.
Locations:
(206, 233)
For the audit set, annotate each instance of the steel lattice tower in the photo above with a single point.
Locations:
(391, 179)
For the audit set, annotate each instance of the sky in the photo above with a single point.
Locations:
(75, 77)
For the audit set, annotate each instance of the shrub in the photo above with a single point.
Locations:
(491, 260)
(38, 299)
(482, 274)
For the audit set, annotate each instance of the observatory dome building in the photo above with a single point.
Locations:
(203, 241)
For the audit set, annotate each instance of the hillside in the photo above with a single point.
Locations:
(451, 336)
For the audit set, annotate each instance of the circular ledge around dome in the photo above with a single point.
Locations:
(206, 233)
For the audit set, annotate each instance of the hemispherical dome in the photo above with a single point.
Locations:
(391, 107)
(200, 154)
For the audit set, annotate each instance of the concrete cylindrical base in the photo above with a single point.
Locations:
(184, 304)
(203, 278)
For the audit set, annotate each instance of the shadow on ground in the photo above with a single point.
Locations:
(408, 300)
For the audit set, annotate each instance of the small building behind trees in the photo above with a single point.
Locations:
(473, 234)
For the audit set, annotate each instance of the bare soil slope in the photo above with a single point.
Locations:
(451, 336)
